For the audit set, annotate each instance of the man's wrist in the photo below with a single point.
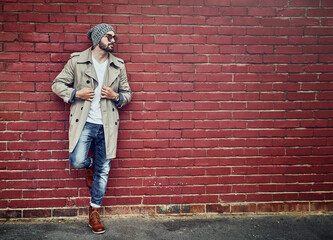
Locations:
(73, 96)
(116, 98)
(77, 94)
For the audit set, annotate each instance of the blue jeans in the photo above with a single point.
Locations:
(93, 136)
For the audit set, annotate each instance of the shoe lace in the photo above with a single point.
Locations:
(95, 216)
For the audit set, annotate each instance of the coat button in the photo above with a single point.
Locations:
(76, 120)
(81, 108)
(88, 81)
(112, 109)
(116, 123)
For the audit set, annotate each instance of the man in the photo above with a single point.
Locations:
(95, 83)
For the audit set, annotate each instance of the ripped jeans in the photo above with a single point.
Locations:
(92, 136)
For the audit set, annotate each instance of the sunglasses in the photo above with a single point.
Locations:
(110, 37)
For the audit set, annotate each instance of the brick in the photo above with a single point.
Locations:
(272, 207)
(326, 3)
(33, 17)
(192, 2)
(247, 3)
(36, 136)
(211, 68)
(304, 22)
(141, 19)
(9, 97)
(102, 8)
(92, 19)
(219, 40)
(304, 3)
(274, 3)
(43, 28)
(22, 126)
(8, 37)
(325, 40)
(291, 31)
(260, 31)
(9, 17)
(10, 214)
(62, 18)
(20, 106)
(218, 21)
(33, 96)
(73, 28)
(22, 67)
(189, 20)
(47, 8)
(168, 58)
(51, 164)
(218, 208)
(36, 213)
(274, 22)
(35, 57)
(19, 27)
(64, 212)
(167, 39)
(9, 136)
(9, 57)
(22, 145)
(10, 194)
(217, 2)
(243, 208)
(246, 21)
(291, 12)
(128, 9)
(318, 31)
(155, 49)
(206, 50)
(181, 10)
(44, 47)
(321, 206)
(74, 8)
(60, 38)
(195, 199)
(167, 20)
(151, 211)
(10, 155)
(141, 39)
(233, 31)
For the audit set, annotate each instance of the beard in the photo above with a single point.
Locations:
(106, 47)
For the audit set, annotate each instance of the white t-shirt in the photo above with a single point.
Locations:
(95, 114)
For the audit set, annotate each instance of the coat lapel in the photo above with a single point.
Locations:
(86, 58)
(112, 71)
(90, 72)
(111, 74)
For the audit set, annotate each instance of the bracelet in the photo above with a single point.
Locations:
(116, 98)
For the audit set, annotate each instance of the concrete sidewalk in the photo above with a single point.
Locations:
(291, 227)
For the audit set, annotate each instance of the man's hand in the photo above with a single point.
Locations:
(85, 94)
(109, 93)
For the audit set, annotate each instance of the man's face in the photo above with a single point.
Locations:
(107, 42)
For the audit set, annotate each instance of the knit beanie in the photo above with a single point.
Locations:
(96, 33)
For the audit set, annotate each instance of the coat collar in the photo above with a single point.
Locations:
(113, 70)
(86, 56)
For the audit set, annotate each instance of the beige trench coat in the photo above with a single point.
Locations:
(79, 73)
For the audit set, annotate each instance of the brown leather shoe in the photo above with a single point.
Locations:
(89, 176)
(95, 221)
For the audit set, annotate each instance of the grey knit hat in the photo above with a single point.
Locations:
(96, 33)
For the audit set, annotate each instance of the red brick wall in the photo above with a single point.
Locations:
(232, 107)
